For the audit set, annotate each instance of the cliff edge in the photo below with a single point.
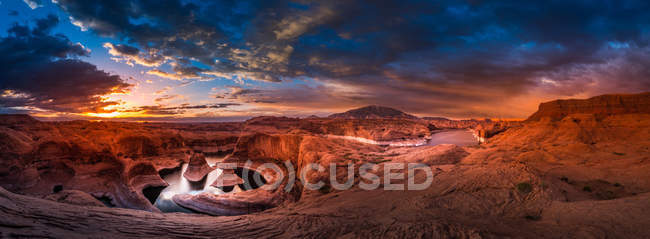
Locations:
(602, 105)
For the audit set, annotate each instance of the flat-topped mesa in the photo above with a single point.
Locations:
(602, 105)
(373, 112)
(197, 168)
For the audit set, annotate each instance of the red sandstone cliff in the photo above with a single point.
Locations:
(197, 168)
(603, 105)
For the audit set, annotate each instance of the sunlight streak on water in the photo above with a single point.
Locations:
(212, 176)
(180, 185)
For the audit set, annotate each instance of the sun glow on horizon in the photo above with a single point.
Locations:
(114, 114)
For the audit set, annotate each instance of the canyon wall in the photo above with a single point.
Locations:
(600, 106)
(113, 161)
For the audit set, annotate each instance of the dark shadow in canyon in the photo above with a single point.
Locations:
(252, 179)
(106, 200)
(152, 193)
(57, 188)
(167, 171)
(195, 186)
(227, 189)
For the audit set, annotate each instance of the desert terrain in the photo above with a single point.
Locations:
(573, 169)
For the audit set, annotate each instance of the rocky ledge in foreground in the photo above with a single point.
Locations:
(75, 197)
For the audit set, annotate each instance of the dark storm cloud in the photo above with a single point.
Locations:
(36, 70)
(187, 71)
(238, 91)
(179, 110)
(127, 50)
(417, 49)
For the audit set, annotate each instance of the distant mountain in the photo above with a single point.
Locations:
(373, 112)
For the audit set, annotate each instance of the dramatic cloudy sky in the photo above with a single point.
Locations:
(229, 60)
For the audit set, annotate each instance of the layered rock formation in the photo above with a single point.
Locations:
(592, 153)
(251, 153)
(600, 106)
(112, 161)
(373, 123)
(484, 129)
(373, 129)
(75, 197)
(227, 180)
(197, 168)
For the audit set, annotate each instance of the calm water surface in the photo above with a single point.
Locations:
(460, 137)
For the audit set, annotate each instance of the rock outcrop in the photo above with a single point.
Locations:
(227, 178)
(113, 161)
(197, 168)
(600, 106)
(75, 197)
(251, 153)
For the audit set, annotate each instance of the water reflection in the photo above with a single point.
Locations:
(460, 137)
(180, 185)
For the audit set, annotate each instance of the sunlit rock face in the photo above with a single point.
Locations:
(249, 153)
(606, 118)
(122, 158)
(134, 146)
(113, 161)
(197, 168)
(591, 146)
(372, 129)
(600, 106)
(227, 180)
(179, 184)
(242, 196)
